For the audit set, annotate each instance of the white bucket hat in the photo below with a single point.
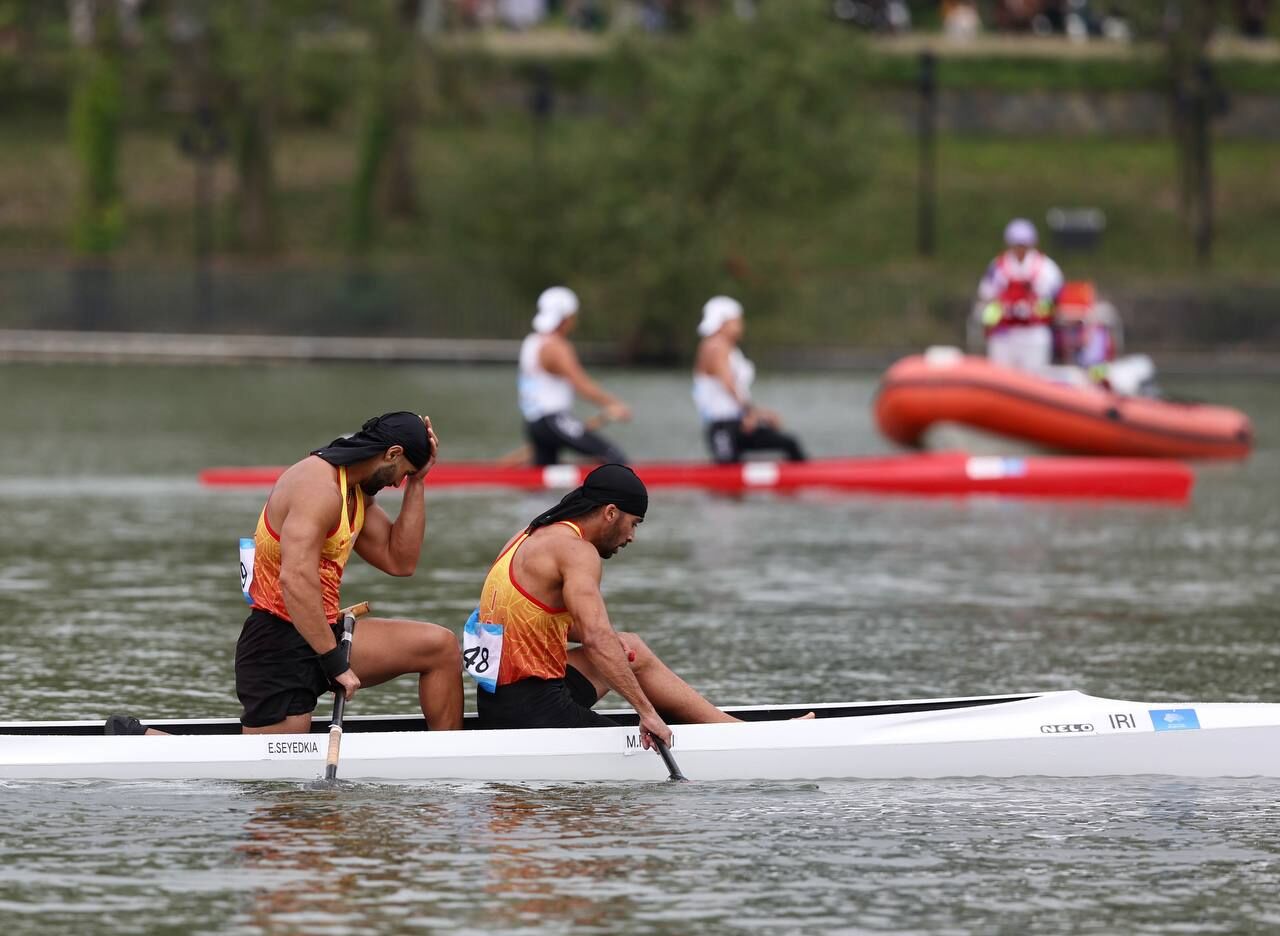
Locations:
(717, 311)
(554, 306)
(1020, 233)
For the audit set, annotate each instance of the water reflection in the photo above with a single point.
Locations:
(505, 856)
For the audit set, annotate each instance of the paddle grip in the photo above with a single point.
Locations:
(356, 611)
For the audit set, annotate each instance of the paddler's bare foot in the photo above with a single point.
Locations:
(804, 717)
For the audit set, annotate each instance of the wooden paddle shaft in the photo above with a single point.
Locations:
(331, 759)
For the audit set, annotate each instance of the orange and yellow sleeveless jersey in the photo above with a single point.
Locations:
(264, 590)
(534, 636)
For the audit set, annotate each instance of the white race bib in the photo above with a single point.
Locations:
(482, 651)
(247, 551)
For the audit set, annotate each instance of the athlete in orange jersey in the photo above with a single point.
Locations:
(544, 591)
(320, 509)
(318, 512)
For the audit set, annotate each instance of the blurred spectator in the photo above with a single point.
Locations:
(522, 14)
(1022, 15)
(1253, 16)
(474, 14)
(1078, 19)
(876, 15)
(960, 19)
(590, 15)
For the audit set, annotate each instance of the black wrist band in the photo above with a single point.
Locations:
(334, 663)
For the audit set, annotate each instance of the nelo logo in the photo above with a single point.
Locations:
(1077, 728)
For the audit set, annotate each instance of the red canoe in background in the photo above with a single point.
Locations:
(941, 474)
(923, 391)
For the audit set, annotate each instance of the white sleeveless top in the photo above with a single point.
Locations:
(714, 402)
(540, 393)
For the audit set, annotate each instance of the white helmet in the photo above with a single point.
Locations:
(1020, 233)
(554, 306)
(717, 311)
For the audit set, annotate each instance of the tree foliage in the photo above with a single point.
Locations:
(384, 184)
(760, 114)
(96, 105)
(251, 43)
(1186, 27)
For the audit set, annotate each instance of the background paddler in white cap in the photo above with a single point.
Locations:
(550, 377)
(722, 378)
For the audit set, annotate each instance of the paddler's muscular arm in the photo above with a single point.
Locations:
(715, 361)
(558, 357)
(312, 510)
(580, 567)
(395, 547)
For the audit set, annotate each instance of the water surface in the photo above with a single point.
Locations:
(119, 580)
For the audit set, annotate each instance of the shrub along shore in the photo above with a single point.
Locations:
(647, 177)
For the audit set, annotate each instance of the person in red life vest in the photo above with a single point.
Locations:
(1084, 329)
(1018, 291)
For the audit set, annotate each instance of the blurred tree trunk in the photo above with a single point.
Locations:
(258, 49)
(94, 127)
(1188, 28)
(399, 194)
(94, 124)
(386, 184)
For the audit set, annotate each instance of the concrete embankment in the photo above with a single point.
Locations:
(47, 346)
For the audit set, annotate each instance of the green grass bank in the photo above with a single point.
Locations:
(502, 196)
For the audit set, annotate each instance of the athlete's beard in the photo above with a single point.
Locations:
(378, 480)
(608, 552)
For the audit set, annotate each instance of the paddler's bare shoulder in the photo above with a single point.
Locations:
(564, 545)
(711, 351)
(312, 479)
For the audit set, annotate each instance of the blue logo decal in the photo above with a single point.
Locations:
(1174, 719)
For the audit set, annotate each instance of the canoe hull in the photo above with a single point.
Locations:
(944, 474)
(1061, 734)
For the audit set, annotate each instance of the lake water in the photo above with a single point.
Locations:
(119, 582)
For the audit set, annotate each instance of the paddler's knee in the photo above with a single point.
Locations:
(439, 646)
(638, 652)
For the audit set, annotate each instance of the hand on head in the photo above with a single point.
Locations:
(435, 451)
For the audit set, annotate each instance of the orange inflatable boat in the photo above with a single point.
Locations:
(922, 391)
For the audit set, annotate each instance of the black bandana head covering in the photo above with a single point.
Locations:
(376, 436)
(608, 484)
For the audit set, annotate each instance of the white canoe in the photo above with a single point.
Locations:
(1057, 734)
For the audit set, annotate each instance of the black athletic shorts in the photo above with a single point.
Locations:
(728, 440)
(543, 703)
(550, 434)
(277, 672)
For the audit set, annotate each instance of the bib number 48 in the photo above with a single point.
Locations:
(482, 651)
(476, 660)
